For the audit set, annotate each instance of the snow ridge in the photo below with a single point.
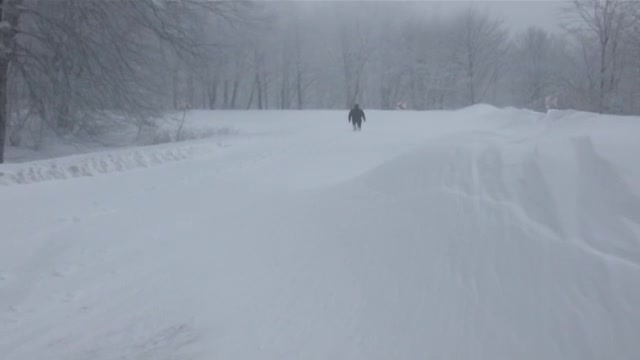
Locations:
(93, 164)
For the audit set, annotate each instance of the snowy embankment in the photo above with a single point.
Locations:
(477, 234)
(59, 161)
(92, 164)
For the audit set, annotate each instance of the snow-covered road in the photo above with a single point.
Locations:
(478, 234)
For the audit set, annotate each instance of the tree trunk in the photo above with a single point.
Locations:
(471, 77)
(213, 94)
(356, 92)
(225, 94)
(299, 87)
(234, 93)
(259, 88)
(265, 90)
(284, 89)
(283, 95)
(298, 49)
(175, 88)
(603, 71)
(8, 13)
(4, 75)
(236, 82)
(190, 91)
(250, 101)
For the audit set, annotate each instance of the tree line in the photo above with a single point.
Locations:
(81, 67)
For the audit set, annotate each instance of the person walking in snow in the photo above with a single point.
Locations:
(356, 116)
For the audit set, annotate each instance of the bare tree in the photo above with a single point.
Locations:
(356, 48)
(91, 64)
(9, 15)
(539, 65)
(78, 69)
(630, 82)
(481, 50)
(599, 30)
(300, 87)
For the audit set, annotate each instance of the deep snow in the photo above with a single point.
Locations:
(476, 234)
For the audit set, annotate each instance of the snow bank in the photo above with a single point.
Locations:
(65, 161)
(198, 124)
(169, 133)
(94, 164)
(119, 135)
(494, 244)
(477, 234)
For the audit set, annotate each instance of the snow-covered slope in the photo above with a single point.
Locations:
(477, 234)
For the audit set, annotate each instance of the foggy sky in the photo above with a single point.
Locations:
(522, 14)
(517, 14)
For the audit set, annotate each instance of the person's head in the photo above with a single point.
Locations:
(356, 106)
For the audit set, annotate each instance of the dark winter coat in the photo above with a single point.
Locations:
(356, 115)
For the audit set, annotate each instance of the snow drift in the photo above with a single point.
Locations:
(478, 234)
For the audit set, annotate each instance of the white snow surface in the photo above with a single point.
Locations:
(478, 234)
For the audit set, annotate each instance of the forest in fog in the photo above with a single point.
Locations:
(75, 68)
